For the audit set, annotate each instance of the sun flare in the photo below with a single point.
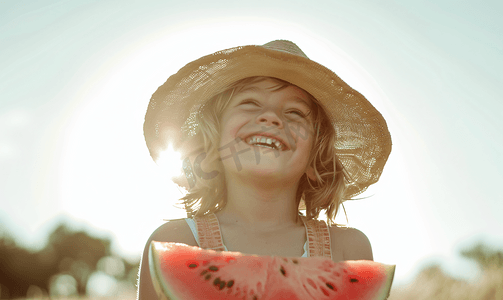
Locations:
(170, 162)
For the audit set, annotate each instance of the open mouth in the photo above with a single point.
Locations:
(266, 142)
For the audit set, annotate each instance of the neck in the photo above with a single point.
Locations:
(259, 206)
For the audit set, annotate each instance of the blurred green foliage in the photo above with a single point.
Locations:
(485, 257)
(432, 283)
(66, 253)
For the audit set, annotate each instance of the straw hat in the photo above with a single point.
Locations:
(363, 142)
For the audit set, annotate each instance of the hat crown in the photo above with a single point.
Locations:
(285, 46)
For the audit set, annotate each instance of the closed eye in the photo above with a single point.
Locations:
(249, 101)
(297, 113)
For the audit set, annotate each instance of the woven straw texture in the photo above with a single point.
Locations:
(363, 140)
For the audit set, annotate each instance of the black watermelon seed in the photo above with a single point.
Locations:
(255, 297)
(216, 281)
(204, 272)
(213, 268)
(283, 271)
(353, 280)
(192, 266)
(207, 277)
(222, 285)
(295, 261)
(230, 283)
(330, 286)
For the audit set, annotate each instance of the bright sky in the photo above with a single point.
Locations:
(76, 77)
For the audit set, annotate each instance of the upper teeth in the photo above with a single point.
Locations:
(265, 140)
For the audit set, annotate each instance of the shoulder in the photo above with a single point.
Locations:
(175, 231)
(355, 244)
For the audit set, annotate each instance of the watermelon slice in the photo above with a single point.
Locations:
(184, 272)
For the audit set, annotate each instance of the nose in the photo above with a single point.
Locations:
(269, 118)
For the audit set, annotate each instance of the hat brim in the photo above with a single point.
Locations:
(363, 142)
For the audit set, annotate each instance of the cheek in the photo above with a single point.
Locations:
(305, 139)
(230, 127)
(300, 132)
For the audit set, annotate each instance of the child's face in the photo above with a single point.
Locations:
(266, 132)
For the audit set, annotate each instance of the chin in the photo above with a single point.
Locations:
(267, 176)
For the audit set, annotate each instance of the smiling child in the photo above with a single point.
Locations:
(265, 132)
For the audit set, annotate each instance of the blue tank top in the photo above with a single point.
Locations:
(193, 228)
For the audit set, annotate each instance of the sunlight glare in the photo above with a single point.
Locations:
(170, 162)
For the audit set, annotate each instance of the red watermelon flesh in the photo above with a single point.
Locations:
(184, 272)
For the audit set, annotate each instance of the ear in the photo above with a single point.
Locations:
(310, 173)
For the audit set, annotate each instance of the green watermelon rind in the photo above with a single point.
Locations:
(161, 287)
(390, 269)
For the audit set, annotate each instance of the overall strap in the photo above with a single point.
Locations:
(318, 237)
(208, 231)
